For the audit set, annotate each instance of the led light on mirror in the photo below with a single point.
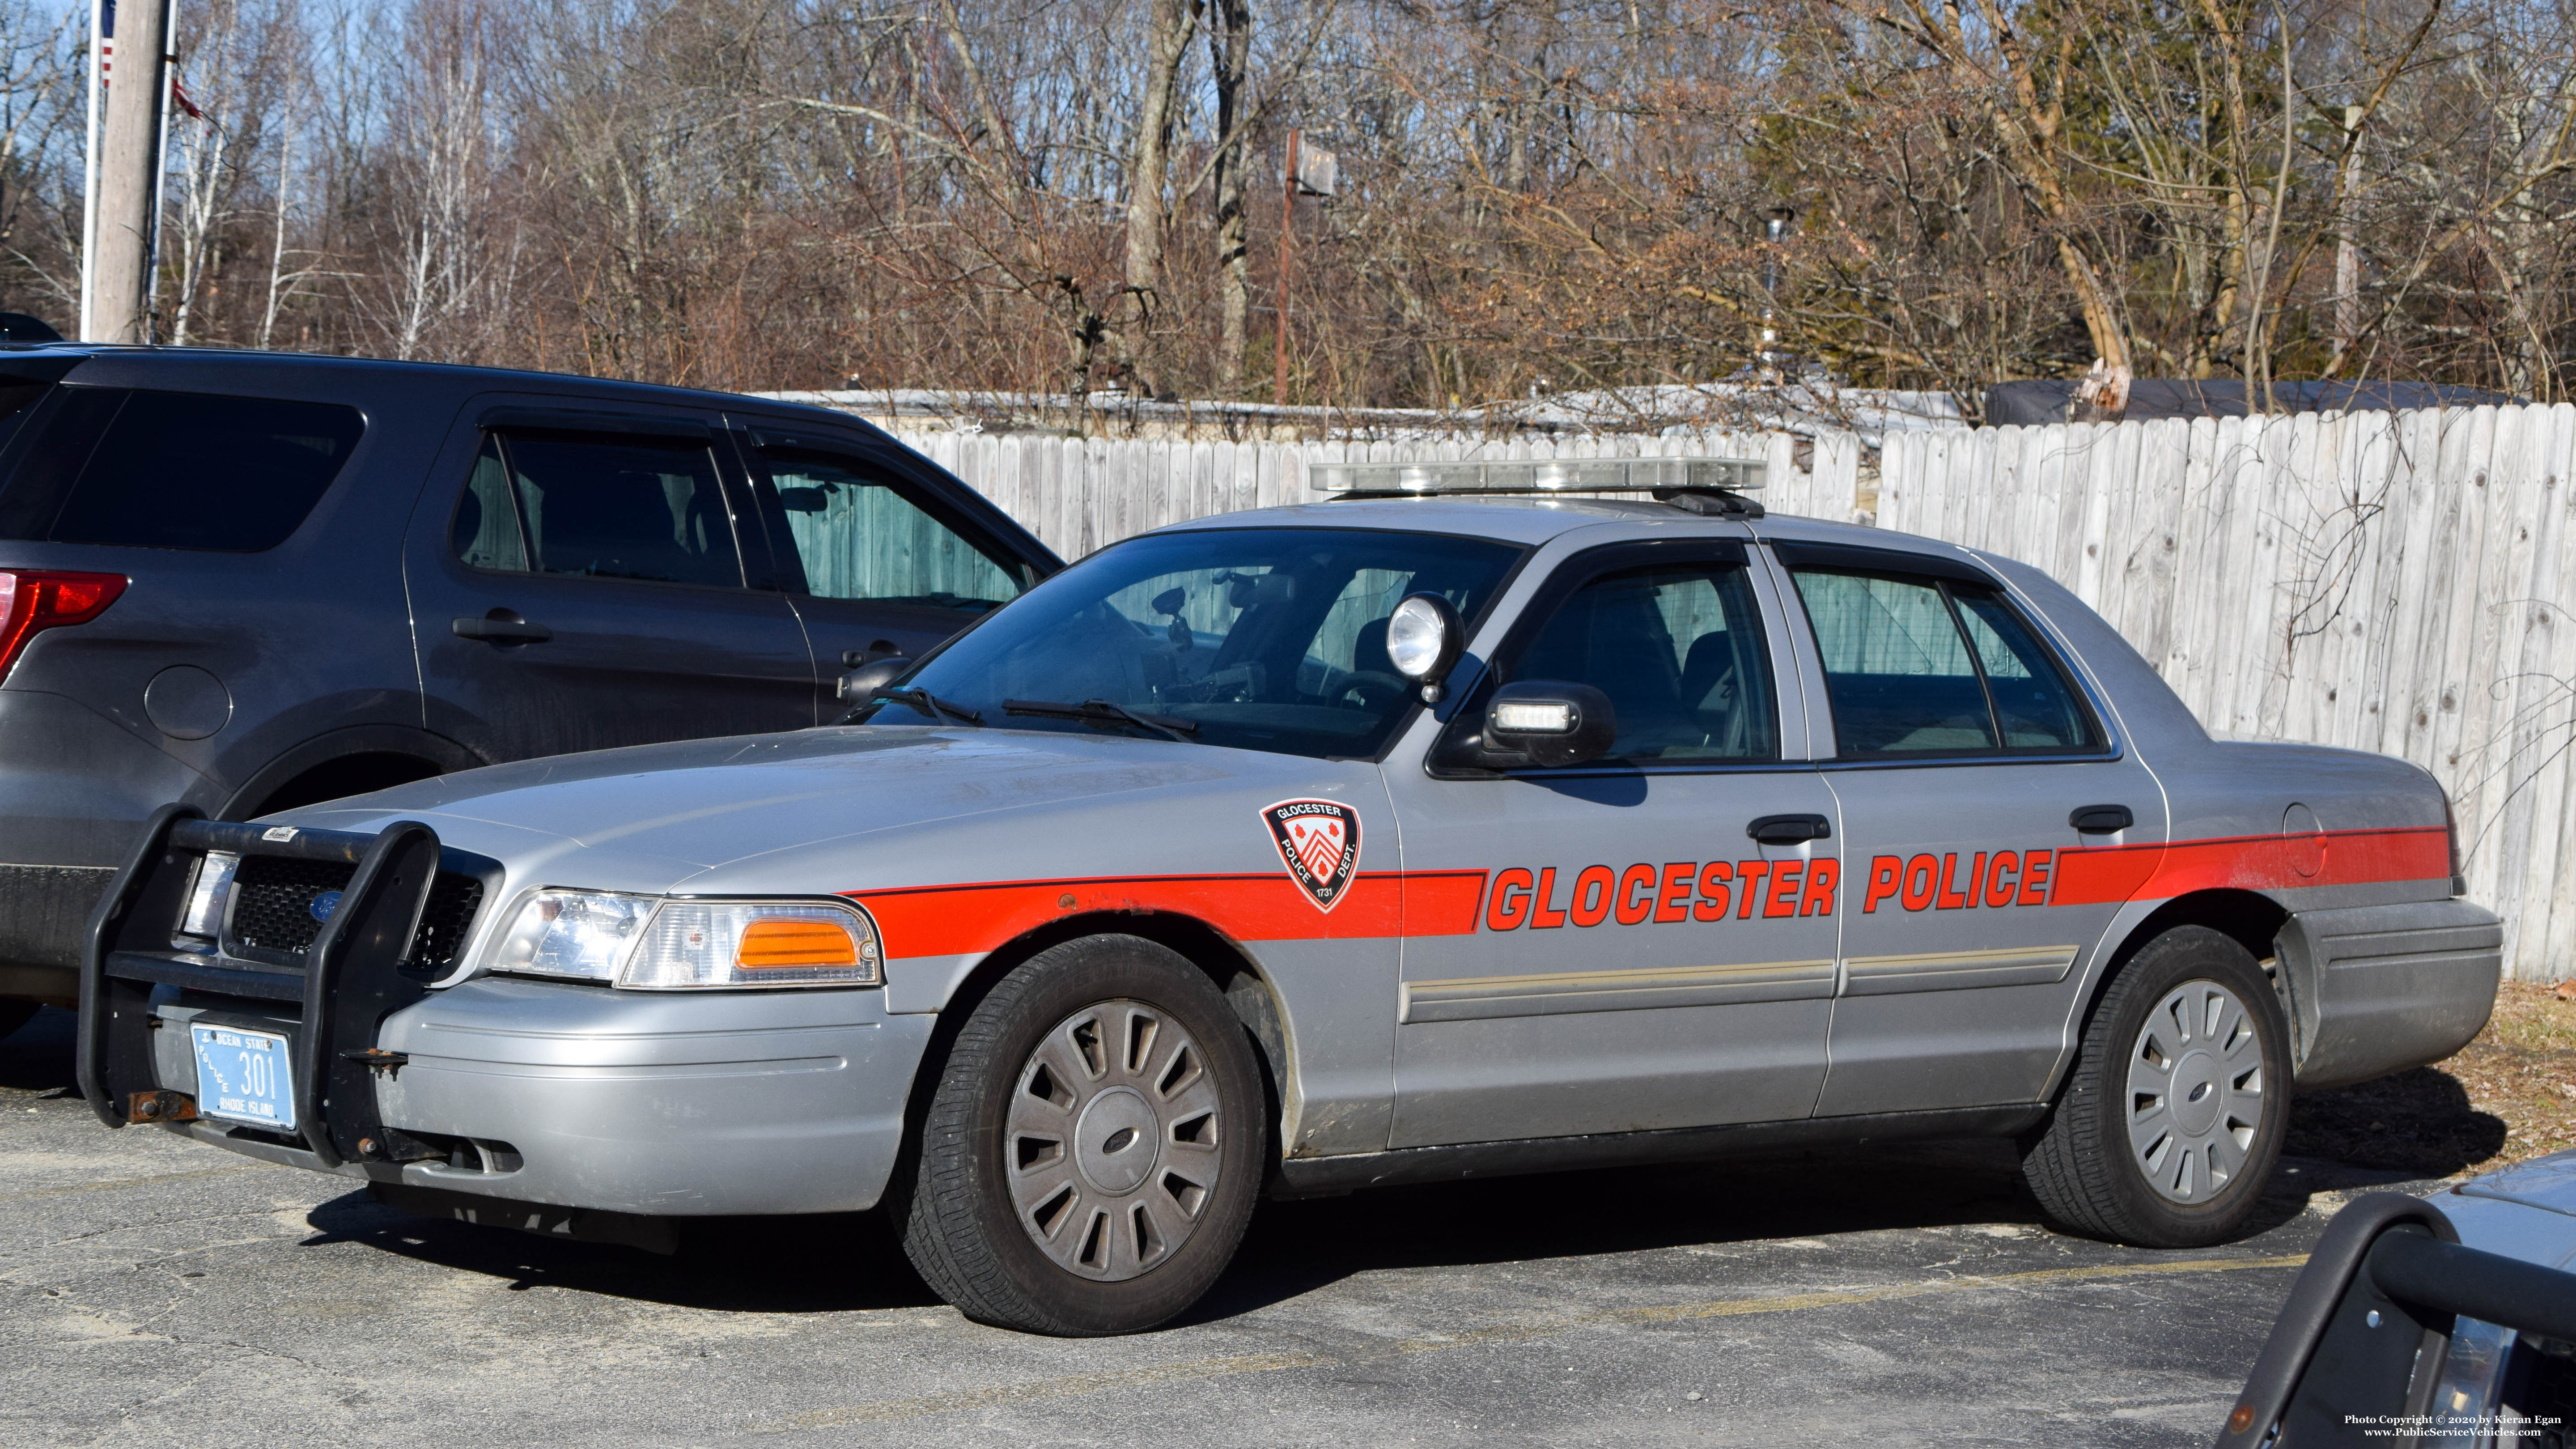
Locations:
(1535, 718)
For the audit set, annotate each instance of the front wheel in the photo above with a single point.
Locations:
(1090, 1159)
(2171, 1121)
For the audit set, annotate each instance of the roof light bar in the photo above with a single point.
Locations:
(1540, 475)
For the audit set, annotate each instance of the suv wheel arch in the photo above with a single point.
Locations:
(342, 762)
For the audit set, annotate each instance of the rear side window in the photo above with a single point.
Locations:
(856, 535)
(597, 506)
(1931, 666)
(148, 469)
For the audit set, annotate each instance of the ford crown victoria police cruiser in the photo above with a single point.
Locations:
(1372, 841)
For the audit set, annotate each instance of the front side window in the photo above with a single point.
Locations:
(597, 507)
(857, 536)
(1678, 649)
(1930, 666)
(147, 469)
(1258, 638)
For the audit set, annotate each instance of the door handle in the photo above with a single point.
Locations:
(2102, 819)
(501, 627)
(1790, 829)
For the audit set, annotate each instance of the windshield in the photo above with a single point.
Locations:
(1262, 638)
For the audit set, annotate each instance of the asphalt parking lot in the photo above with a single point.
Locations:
(160, 1292)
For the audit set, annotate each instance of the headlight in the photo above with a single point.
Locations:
(647, 943)
(204, 918)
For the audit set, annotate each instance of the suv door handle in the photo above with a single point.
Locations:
(1790, 829)
(2101, 819)
(511, 630)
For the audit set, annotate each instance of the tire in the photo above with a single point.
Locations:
(1090, 1159)
(2168, 1126)
(15, 1014)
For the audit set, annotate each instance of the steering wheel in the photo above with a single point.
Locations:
(1377, 689)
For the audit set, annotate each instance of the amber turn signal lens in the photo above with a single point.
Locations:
(775, 943)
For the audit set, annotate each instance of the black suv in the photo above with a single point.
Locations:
(250, 581)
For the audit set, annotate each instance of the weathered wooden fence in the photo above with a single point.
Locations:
(2397, 582)
(2391, 582)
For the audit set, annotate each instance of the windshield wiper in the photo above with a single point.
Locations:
(1101, 711)
(931, 705)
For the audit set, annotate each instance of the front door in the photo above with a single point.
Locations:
(1965, 753)
(1638, 960)
(576, 584)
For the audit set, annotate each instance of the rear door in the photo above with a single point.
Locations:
(1964, 745)
(875, 555)
(577, 583)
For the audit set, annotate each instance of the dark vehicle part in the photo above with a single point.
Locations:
(255, 581)
(1094, 1149)
(2358, 1349)
(2172, 1117)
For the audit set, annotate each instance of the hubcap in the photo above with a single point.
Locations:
(2197, 1092)
(1110, 1144)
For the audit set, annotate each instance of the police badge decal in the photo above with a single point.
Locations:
(1319, 841)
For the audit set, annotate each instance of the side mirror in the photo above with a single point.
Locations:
(868, 678)
(1423, 637)
(1555, 723)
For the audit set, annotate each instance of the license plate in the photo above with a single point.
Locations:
(244, 1076)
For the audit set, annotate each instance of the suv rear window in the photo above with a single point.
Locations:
(176, 469)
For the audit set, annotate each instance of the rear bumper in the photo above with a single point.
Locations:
(42, 911)
(2378, 989)
(75, 789)
(656, 1104)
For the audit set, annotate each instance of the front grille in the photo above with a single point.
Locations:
(273, 908)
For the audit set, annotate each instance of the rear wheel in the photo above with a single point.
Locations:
(1091, 1157)
(2172, 1118)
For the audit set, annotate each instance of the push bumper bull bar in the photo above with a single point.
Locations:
(354, 974)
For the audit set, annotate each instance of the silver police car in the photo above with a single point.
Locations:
(1290, 852)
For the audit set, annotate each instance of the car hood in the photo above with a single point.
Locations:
(2548, 1183)
(824, 809)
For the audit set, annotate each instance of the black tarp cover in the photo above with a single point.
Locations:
(2043, 400)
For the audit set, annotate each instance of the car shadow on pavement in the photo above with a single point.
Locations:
(823, 1263)
(37, 1057)
(2418, 1122)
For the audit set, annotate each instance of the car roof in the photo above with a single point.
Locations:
(641, 392)
(1526, 520)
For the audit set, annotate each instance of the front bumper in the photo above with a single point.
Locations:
(660, 1104)
(572, 1096)
(2378, 989)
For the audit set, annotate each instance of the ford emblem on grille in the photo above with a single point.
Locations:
(324, 903)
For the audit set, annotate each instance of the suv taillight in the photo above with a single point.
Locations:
(33, 599)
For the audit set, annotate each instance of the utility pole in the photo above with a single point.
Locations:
(2347, 302)
(98, 53)
(129, 177)
(1287, 239)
